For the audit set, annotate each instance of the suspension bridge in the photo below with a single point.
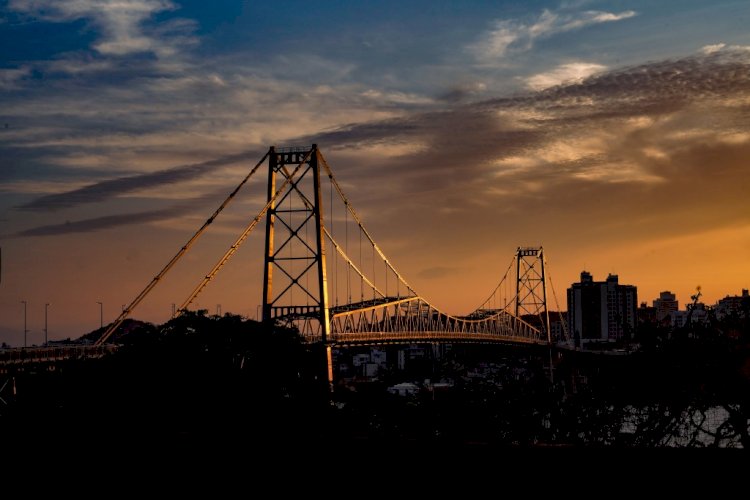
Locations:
(324, 274)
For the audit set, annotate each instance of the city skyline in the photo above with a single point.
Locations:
(614, 134)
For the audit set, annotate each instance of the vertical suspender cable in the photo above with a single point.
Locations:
(346, 251)
(361, 278)
(373, 270)
(336, 256)
(385, 264)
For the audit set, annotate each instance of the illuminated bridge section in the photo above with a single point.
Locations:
(414, 320)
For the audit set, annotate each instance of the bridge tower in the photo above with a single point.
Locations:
(295, 247)
(531, 286)
(295, 259)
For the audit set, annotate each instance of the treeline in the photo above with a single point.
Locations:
(196, 376)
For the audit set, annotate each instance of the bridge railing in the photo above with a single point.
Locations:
(417, 337)
(23, 355)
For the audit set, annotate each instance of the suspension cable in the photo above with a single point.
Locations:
(359, 223)
(353, 265)
(499, 285)
(232, 249)
(126, 312)
(557, 304)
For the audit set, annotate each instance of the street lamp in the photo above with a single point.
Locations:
(25, 331)
(101, 315)
(45, 324)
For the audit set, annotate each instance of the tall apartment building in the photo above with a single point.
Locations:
(602, 311)
(665, 305)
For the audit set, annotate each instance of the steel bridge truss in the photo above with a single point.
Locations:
(296, 236)
(412, 319)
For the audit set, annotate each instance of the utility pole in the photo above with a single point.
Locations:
(45, 325)
(101, 314)
(25, 331)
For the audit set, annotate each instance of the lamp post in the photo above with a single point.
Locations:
(25, 331)
(101, 315)
(45, 324)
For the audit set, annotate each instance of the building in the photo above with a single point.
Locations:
(665, 305)
(729, 306)
(558, 326)
(646, 314)
(601, 311)
(698, 315)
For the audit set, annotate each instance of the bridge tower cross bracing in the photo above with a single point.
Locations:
(295, 219)
(531, 286)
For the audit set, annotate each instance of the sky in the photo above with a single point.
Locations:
(612, 133)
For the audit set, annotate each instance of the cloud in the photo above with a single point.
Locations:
(111, 221)
(111, 188)
(652, 137)
(462, 92)
(710, 49)
(461, 145)
(591, 17)
(123, 23)
(507, 35)
(563, 74)
(100, 223)
(664, 83)
(723, 47)
(10, 78)
(623, 134)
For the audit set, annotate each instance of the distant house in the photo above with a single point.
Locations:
(731, 305)
(404, 389)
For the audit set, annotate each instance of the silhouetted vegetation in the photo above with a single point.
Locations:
(196, 376)
(201, 377)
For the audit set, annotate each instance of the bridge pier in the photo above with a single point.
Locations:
(329, 367)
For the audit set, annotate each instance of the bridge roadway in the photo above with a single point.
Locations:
(22, 356)
(376, 338)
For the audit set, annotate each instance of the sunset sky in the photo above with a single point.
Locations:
(614, 133)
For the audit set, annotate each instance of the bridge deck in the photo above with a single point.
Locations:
(31, 355)
(422, 337)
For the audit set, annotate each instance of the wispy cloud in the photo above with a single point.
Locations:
(626, 135)
(514, 35)
(563, 74)
(101, 223)
(122, 23)
(111, 188)
(10, 78)
(116, 220)
(717, 47)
